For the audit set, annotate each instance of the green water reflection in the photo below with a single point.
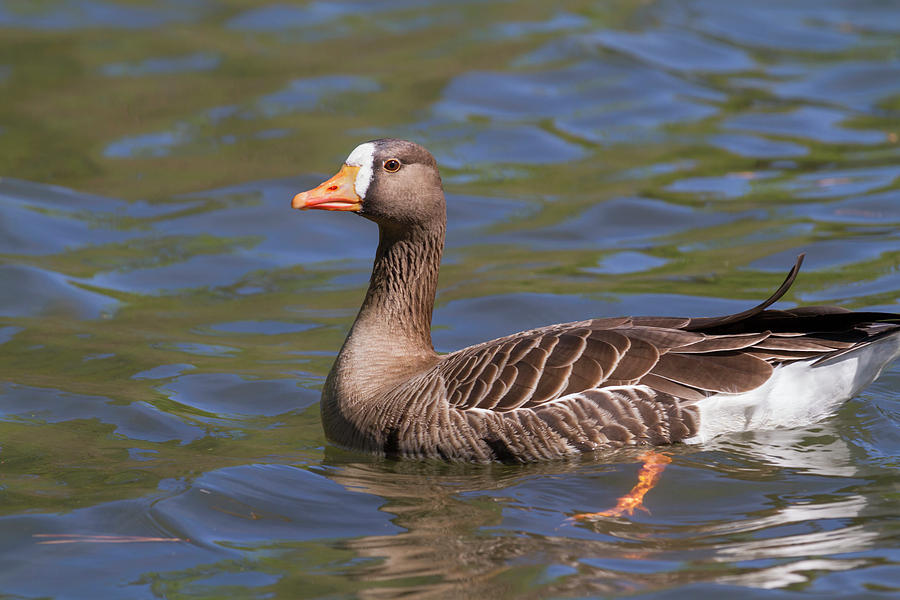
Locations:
(166, 321)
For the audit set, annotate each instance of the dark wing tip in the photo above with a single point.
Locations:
(708, 322)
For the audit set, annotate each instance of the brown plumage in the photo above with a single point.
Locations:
(549, 392)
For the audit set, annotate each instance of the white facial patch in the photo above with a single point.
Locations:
(363, 156)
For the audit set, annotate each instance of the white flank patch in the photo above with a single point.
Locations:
(797, 394)
(363, 156)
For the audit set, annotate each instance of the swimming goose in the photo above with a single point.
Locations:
(570, 388)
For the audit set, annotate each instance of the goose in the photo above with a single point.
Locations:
(570, 388)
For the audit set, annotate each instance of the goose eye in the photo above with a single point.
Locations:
(392, 165)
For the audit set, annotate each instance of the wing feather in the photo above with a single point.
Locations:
(551, 385)
(640, 358)
(676, 390)
(719, 343)
(726, 372)
(567, 350)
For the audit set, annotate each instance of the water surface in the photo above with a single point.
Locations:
(166, 321)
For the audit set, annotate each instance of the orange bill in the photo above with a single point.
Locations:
(337, 193)
(650, 472)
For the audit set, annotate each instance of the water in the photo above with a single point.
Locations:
(166, 321)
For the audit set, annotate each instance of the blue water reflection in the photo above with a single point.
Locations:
(167, 322)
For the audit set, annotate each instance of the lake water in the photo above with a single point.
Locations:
(167, 321)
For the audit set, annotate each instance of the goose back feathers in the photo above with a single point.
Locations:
(569, 388)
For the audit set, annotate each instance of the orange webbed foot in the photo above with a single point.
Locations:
(651, 470)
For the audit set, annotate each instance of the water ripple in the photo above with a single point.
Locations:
(167, 322)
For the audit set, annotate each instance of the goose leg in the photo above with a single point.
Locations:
(651, 471)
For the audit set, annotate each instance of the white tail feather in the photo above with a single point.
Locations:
(797, 394)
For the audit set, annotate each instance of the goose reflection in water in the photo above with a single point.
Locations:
(457, 522)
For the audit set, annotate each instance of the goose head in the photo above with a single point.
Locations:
(392, 182)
